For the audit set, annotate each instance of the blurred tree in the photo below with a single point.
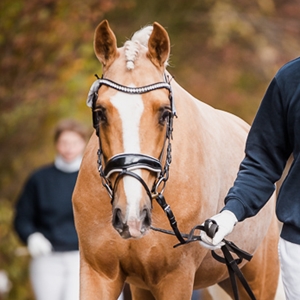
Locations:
(43, 45)
(223, 52)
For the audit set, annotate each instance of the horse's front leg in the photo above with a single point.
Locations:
(138, 294)
(177, 285)
(94, 286)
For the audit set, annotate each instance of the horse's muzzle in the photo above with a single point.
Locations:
(133, 228)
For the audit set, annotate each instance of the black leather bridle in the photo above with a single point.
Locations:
(125, 163)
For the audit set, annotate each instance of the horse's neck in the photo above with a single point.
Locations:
(191, 110)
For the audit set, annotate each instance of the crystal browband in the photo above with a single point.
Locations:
(134, 90)
(125, 89)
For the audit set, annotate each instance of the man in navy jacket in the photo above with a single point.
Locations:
(273, 138)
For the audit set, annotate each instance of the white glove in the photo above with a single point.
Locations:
(5, 284)
(226, 221)
(38, 245)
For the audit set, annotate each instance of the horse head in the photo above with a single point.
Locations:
(132, 114)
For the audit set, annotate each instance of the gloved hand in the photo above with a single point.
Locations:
(38, 245)
(226, 221)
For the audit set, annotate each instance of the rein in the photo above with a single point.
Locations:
(125, 163)
(210, 227)
(231, 263)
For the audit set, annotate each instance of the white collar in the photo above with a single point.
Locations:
(67, 167)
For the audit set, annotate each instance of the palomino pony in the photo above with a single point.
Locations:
(133, 108)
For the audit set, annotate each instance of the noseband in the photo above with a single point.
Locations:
(126, 163)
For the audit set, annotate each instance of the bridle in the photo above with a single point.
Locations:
(125, 163)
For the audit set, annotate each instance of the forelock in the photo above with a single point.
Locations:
(131, 53)
(140, 38)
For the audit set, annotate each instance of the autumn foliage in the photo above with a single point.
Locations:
(223, 52)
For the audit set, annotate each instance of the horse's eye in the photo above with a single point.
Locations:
(164, 115)
(101, 115)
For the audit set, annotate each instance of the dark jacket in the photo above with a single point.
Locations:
(273, 137)
(45, 205)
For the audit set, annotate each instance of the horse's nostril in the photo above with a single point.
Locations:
(117, 219)
(146, 218)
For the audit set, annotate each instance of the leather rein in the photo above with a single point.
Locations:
(125, 163)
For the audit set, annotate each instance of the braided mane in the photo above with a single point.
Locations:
(140, 38)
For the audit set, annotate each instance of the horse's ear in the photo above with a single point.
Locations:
(105, 43)
(159, 45)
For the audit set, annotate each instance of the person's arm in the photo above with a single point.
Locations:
(25, 221)
(25, 212)
(267, 150)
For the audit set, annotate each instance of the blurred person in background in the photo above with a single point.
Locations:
(44, 217)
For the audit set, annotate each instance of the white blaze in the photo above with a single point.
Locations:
(130, 108)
